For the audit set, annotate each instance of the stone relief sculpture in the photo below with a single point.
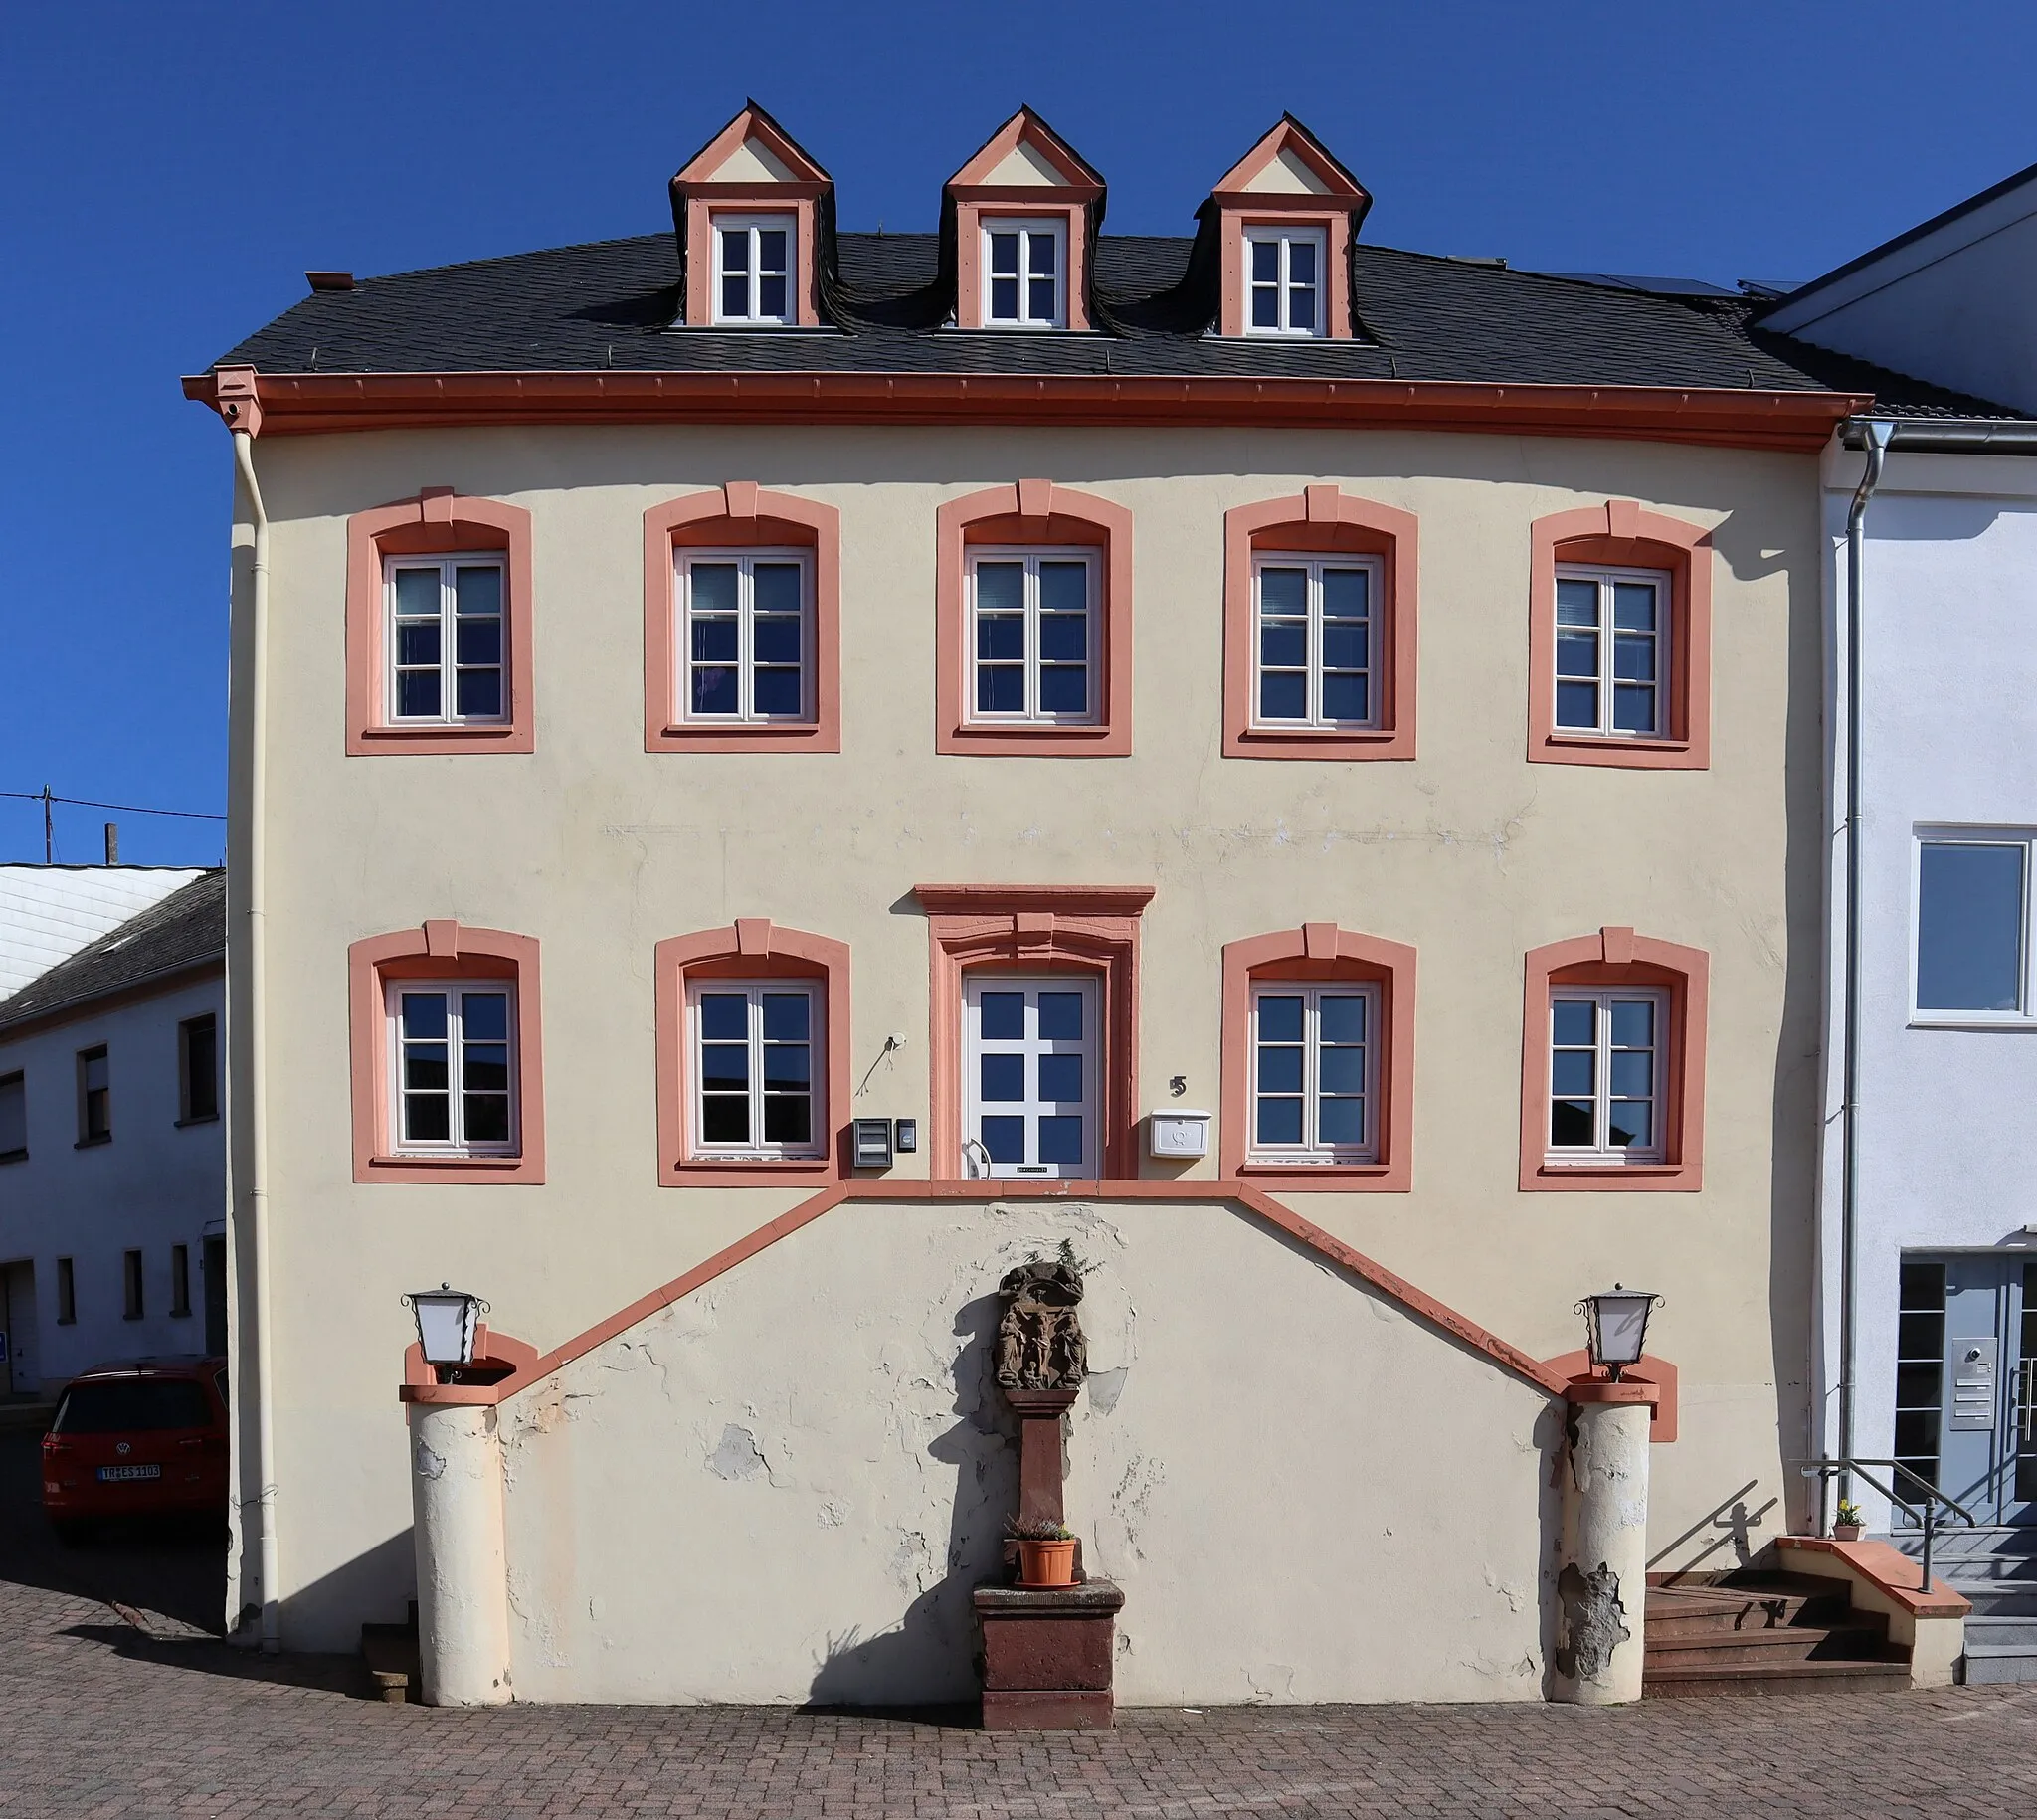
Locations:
(1040, 1338)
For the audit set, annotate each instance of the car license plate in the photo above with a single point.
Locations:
(110, 1474)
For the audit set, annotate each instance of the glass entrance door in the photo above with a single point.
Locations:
(1967, 1381)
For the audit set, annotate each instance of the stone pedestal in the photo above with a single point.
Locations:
(1602, 1583)
(1041, 1466)
(1048, 1657)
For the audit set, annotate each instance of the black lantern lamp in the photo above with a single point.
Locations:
(446, 1322)
(1617, 1326)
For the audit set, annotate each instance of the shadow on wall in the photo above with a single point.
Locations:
(931, 1652)
(378, 1585)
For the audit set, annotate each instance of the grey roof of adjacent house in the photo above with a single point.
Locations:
(185, 931)
(1420, 317)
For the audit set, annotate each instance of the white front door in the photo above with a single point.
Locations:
(1030, 1055)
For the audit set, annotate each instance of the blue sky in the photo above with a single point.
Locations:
(173, 168)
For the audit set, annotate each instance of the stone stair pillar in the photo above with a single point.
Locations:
(462, 1561)
(1603, 1574)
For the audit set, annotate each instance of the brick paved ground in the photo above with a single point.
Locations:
(96, 1721)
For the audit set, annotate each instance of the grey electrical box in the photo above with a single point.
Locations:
(906, 1134)
(872, 1139)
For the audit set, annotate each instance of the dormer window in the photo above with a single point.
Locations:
(1023, 265)
(1285, 272)
(753, 269)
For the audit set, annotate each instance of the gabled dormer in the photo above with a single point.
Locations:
(754, 214)
(1026, 211)
(1286, 215)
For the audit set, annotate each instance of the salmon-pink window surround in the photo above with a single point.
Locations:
(1322, 951)
(1616, 955)
(750, 947)
(735, 516)
(1069, 202)
(437, 522)
(698, 197)
(1323, 519)
(1620, 534)
(1036, 515)
(442, 949)
(1332, 208)
(1035, 929)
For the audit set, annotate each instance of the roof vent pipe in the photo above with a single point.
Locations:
(1875, 434)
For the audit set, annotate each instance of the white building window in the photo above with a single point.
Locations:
(454, 1085)
(1314, 1084)
(753, 275)
(1605, 1082)
(1030, 1058)
(1034, 621)
(446, 655)
(1973, 926)
(1314, 644)
(1285, 280)
(13, 1117)
(95, 1097)
(746, 633)
(755, 1095)
(1611, 652)
(1024, 273)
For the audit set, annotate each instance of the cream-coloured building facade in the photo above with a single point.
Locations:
(764, 1490)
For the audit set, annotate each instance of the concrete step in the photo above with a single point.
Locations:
(1997, 1599)
(1988, 1666)
(1739, 1678)
(1787, 1643)
(2001, 1632)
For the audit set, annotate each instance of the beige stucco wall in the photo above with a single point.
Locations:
(1474, 855)
(784, 1486)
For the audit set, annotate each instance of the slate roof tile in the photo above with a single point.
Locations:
(183, 929)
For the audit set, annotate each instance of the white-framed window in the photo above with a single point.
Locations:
(1034, 626)
(1315, 1072)
(1032, 1056)
(756, 1050)
(746, 632)
(1613, 651)
(445, 640)
(1284, 282)
(1314, 649)
(1608, 1048)
(1025, 273)
(753, 269)
(451, 1067)
(1973, 937)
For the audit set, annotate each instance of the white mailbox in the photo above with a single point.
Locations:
(1178, 1132)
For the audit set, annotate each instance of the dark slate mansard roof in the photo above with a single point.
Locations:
(615, 304)
(184, 930)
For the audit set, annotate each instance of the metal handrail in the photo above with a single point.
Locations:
(1924, 1518)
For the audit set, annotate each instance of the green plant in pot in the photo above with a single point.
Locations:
(1047, 1552)
(1846, 1526)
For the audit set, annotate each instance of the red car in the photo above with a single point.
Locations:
(138, 1438)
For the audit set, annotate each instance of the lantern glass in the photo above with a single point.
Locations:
(447, 1319)
(1617, 1324)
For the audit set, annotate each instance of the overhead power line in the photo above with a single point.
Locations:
(125, 808)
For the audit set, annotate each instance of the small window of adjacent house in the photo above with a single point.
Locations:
(130, 1280)
(66, 1293)
(1033, 625)
(1611, 652)
(13, 1117)
(1606, 1075)
(198, 1069)
(1314, 1082)
(180, 1281)
(1025, 267)
(445, 641)
(1032, 1059)
(454, 1086)
(95, 1097)
(1285, 279)
(1313, 646)
(756, 1096)
(1972, 920)
(747, 635)
(753, 275)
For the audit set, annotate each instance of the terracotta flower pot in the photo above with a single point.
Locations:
(1846, 1531)
(1046, 1563)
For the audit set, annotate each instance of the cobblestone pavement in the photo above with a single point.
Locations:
(96, 1719)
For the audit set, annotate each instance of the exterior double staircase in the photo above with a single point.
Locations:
(1761, 1632)
(1996, 1570)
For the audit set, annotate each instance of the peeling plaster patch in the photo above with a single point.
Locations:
(1105, 1387)
(1593, 1621)
(831, 1515)
(912, 1562)
(738, 1456)
(1516, 1600)
(1271, 1681)
(430, 1465)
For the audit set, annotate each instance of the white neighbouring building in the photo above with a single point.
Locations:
(112, 1151)
(1928, 1281)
